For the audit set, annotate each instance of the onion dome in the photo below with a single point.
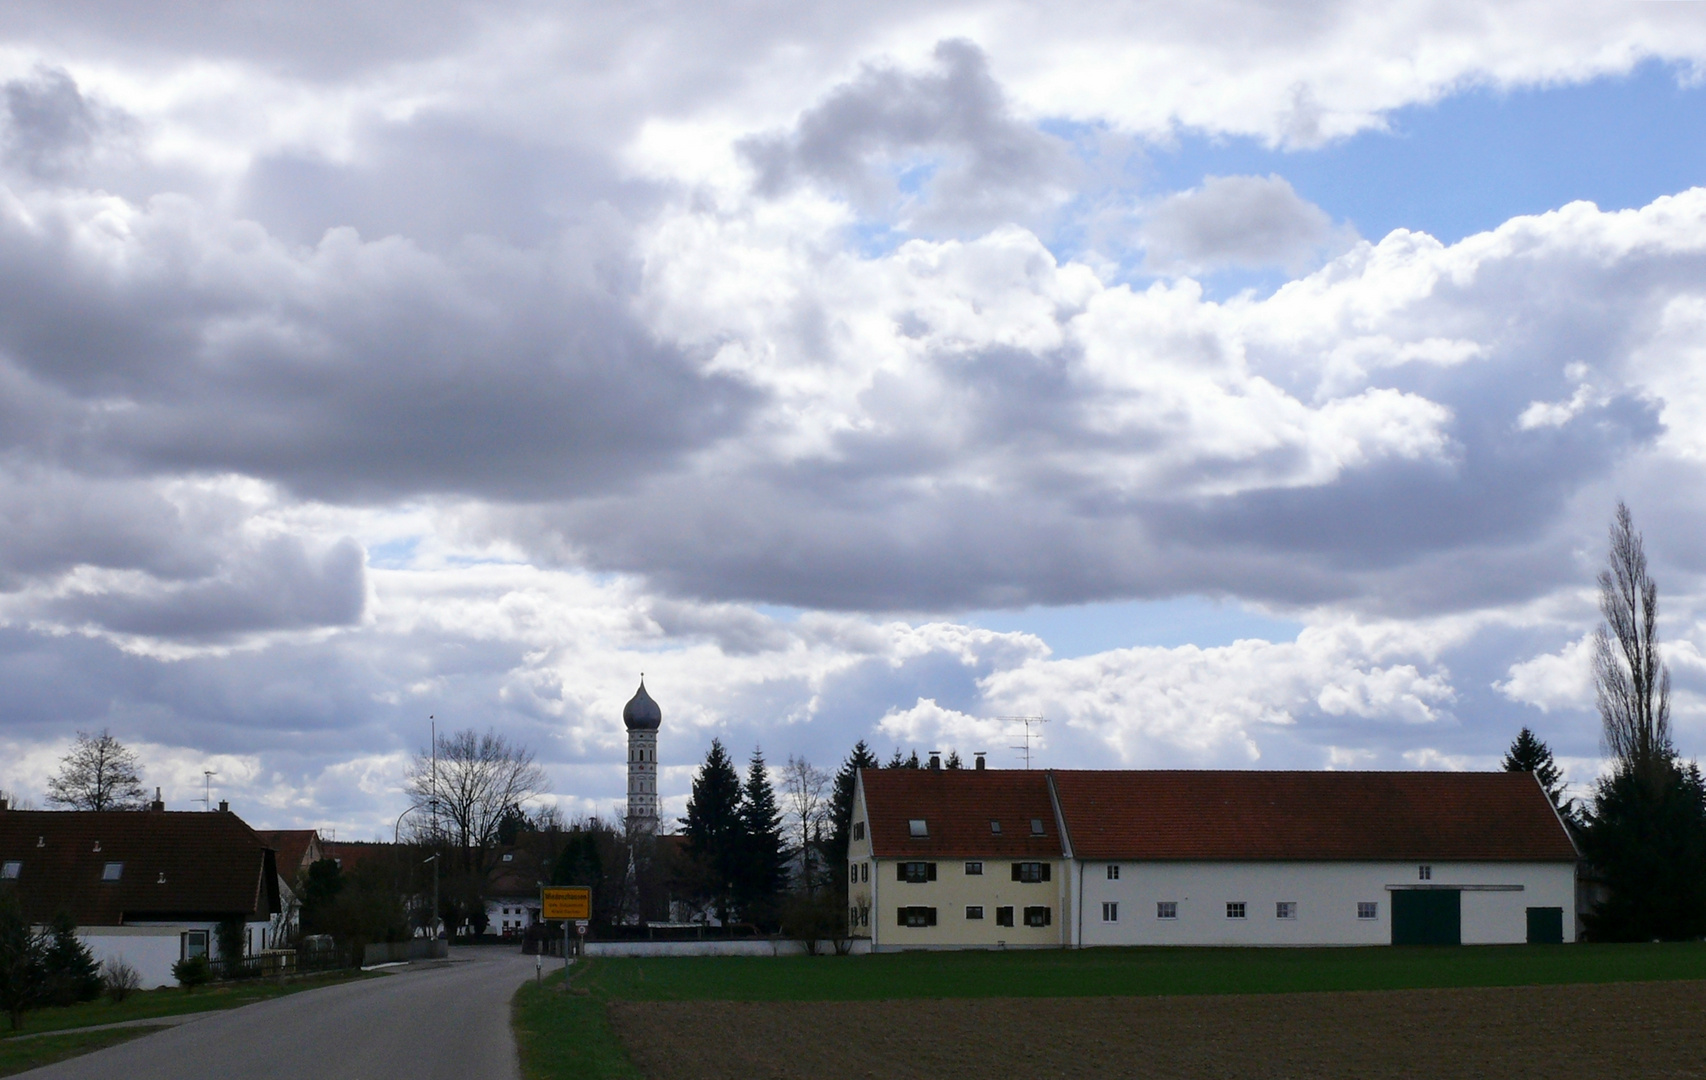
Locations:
(642, 713)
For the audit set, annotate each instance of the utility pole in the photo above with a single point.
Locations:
(433, 800)
(1027, 721)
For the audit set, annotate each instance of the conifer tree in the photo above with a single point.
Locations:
(1530, 755)
(71, 972)
(765, 865)
(896, 762)
(952, 761)
(841, 810)
(713, 830)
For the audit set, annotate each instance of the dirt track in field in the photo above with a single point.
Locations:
(1610, 1030)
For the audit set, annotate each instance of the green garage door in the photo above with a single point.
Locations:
(1545, 926)
(1427, 917)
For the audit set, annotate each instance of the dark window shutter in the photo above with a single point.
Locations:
(1048, 916)
(1044, 868)
(930, 875)
(900, 916)
(930, 917)
(900, 871)
(1016, 873)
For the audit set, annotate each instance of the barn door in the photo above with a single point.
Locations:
(1427, 917)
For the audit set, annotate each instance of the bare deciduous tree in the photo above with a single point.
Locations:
(805, 790)
(1631, 680)
(478, 779)
(100, 773)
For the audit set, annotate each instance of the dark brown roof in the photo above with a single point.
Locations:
(1310, 815)
(292, 846)
(175, 865)
(957, 806)
(350, 854)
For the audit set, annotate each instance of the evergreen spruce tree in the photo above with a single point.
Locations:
(714, 831)
(70, 971)
(913, 762)
(897, 762)
(952, 761)
(1529, 754)
(765, 864)
(841, 811)
(23, 971)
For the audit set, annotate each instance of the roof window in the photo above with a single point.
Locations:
(994, 827)
(10, 869)
(917, 827)
(112, 871)
(1036, 826)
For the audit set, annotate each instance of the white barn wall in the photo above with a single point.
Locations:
(1326, 895)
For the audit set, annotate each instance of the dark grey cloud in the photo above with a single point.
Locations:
(1245, 221)
(945, 143)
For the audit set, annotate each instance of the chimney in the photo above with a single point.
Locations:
(979, 756)
(158, 803)
(935, 760)
(224, 807)
(3, 805)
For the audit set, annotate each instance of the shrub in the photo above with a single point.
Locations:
(191, 972)
(72, 974)
(120, 979)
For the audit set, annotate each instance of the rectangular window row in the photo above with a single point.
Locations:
(1036, 916)
(1238, 909)
(917, 873)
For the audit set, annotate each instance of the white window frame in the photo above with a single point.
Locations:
(113, 871)
(977, 908)
(1236, 909)
(11, 869)
(1285, 909)
(1424, 873)
(1368, 910)
(974, 868)
(1113, 872)
(1166, 909)
(1110, 911)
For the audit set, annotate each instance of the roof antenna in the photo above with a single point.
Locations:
(207, 776)
(1027, 721)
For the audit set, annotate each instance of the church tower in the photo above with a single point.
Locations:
(642, 717)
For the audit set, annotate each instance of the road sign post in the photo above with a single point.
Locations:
(570, 903)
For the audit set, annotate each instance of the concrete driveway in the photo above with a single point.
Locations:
(448, 1021)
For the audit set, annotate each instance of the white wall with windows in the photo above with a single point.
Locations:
(1319, 903)
(152, 949)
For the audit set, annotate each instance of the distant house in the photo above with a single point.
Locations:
(295, 851)
(147, 887)
(512, 896)
(985, 858)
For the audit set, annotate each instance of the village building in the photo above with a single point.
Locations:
(148, 887)
(1068, 858)
(295, 850)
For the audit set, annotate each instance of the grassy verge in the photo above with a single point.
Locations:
(1133, 972)
(152, 1004)
(27, 1054)
(565, 1034)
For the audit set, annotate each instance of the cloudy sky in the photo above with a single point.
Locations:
(1231, 384)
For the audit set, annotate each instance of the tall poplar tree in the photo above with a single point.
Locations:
(714, 831)
(764, 870)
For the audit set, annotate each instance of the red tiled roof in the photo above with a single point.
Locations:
(1289, 816)
(957, 806)
(350, 854)
(175, 865)
(292, 846)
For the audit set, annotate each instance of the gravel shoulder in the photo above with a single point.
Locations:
(1650, 1029)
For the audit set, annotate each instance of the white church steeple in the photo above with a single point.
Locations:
(642, 717)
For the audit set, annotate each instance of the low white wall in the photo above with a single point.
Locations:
(151, 950)
(711, 948)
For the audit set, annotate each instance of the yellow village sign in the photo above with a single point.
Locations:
(565, 902)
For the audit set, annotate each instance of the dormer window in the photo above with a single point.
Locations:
(1036, 826)
(994, 827)
(112, 871)
(916, 828)
(11, 869)
(509, 856)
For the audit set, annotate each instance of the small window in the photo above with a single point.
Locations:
(917, 827)
(1036, 826)
(865, 872)
(1037, 916)
(1003, 916)
(10, 870)
(917, 873)
(994, 827)
(193, 943)
(112, 871)
(1110, 912)
(858, 830)
(853, 872)
(509, 856)
(1030, 872)
(1424, 873)
(1113, 873)
(916, 916)
(1235, 909)
(974, 869)
(1285, 909)
(974, 911)
(1367, 909)
(1167, 909)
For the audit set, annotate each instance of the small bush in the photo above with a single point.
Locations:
(191, 972)
(119, 979)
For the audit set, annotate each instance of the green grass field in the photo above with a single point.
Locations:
(22, 1055)
(563, 1035)
(152, 1004)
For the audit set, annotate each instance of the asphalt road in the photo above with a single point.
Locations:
(448, 1021)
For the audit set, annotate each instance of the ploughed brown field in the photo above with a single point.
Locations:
(1655, 1029)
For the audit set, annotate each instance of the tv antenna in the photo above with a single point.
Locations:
(1029, 735)
(207, 776)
